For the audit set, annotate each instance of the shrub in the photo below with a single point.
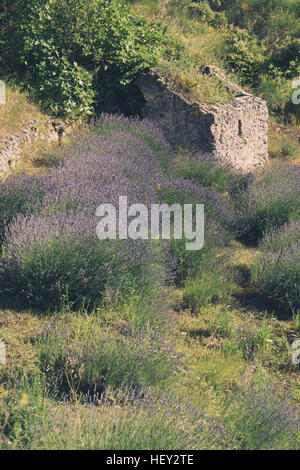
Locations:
(285, 58)
(244, 54)
(202, 11)
(86, 358)
(19, 194)
(65, 51)
(277, 269)
(150, 134)
(184, 191)
(271, 200)
(64, 87)
(269, 19)
(277, 93)
(48, 257)
(265, 420)
(217, 228)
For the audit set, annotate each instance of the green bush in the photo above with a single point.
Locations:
(265, 420)
(270, 201)
(84, 357)
(65, 87)
(277, 269)
(244, 54)
(202, 11)
(285, 59)
(68, 51)
(277, 93)
(268, 19)
(262, 47)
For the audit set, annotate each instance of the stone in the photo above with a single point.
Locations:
(10, 148)
(236, 131)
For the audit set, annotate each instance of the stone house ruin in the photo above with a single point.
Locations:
(236, 130)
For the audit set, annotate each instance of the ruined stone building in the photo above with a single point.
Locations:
(236, 130)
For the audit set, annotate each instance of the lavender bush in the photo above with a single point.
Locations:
(19, 194)
(266, 420)
(47, 257)
(144, 129)
(87, 358)
(218, 224)
(277, 269)
(271, 200)
(184, 191)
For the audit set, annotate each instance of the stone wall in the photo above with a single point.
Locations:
(11, 148)
(235, 130)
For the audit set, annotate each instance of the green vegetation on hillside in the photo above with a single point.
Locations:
(77, 56)
(135, 353)
(141, 344)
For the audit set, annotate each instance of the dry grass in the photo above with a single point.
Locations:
(194, 86)
(215, 342)
(18, 331)
(16, 112)
(284, 141)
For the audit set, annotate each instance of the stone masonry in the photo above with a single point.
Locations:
(11, 148)
(236, 130)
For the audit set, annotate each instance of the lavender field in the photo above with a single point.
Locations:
(141, 344)
(150, 226)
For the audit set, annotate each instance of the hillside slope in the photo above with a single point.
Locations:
(141, 344)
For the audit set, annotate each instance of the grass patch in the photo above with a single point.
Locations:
(17, 111)
(87, 357)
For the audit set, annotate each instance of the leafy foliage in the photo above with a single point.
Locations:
(66, 50)
(203, 12)
(244, 54)
(262, 46)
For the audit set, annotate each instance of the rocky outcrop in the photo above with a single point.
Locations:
(50, 129)
(236, 130)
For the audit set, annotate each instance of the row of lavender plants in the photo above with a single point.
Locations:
(267, 216)
(48, 222)
(277, 268)
(50, 253)
(50, 248)
(264, 210)
(138, 419)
